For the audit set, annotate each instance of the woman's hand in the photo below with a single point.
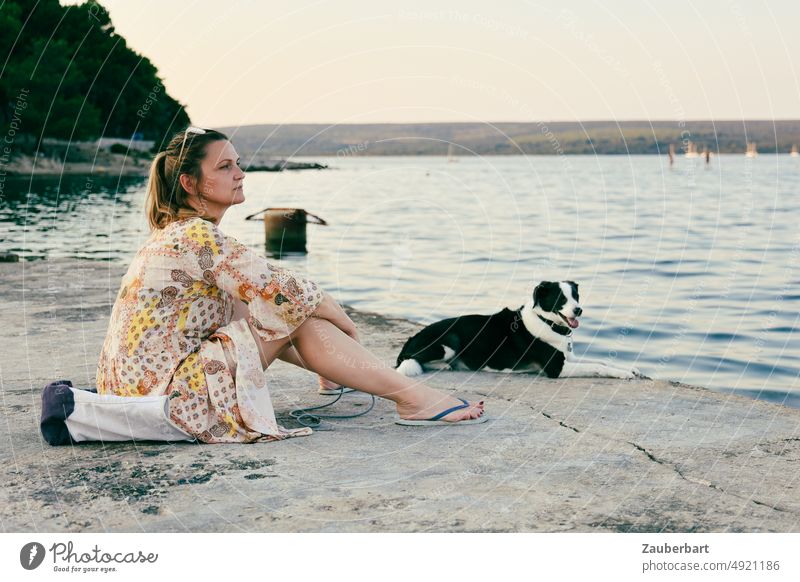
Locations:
(329, 309)
(348, 326)
(351, 331)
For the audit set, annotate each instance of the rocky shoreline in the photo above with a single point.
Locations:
(95, 162)
(86, 158)
(584, 455)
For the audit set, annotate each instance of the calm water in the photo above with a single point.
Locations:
(690, 273)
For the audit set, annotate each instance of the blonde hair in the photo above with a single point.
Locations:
(167, 200)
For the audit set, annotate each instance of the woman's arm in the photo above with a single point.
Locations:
(277, 300)
(329, 309)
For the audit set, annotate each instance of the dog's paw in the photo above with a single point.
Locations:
(410, 368)
(624, 373)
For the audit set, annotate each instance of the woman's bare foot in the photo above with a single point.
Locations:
(328, 388)
(326, 384)
(426, 402)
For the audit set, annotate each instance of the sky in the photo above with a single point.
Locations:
(242, 62)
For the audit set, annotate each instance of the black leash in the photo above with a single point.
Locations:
(305, 418)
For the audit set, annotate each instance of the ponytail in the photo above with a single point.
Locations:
(157, 208)
(167, 200)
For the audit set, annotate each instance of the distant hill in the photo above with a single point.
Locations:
(590, 137)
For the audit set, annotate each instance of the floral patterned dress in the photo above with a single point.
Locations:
(171, 324)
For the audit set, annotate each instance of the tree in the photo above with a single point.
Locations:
(80, 77)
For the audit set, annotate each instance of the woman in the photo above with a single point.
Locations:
(200, 317)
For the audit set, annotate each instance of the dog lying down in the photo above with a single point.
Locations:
(537, 337)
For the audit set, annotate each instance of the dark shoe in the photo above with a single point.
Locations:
(57, 404)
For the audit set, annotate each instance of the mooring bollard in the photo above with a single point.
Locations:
(285, 229)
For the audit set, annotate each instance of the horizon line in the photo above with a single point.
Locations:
(613, 121)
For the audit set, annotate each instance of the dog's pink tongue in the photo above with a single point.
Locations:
(573, 323)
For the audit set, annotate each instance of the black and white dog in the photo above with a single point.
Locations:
(537, 337)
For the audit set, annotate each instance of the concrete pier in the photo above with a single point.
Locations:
(556, 455)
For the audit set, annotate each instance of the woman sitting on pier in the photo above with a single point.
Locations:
(199, 317)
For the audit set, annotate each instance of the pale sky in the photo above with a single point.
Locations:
(241, 62)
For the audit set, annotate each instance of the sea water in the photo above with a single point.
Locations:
(689, 272)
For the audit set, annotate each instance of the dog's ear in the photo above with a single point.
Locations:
(573, 283)
(536, 291)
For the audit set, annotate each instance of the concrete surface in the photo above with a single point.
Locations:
(557, 455)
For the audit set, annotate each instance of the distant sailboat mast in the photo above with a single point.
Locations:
(451, 155)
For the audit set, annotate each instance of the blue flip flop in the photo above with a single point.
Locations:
(435, 419)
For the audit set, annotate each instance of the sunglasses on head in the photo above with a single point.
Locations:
(190, 129)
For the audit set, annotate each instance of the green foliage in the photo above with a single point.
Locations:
(68, 75)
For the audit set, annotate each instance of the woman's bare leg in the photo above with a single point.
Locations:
(325, 349)
(334, 355)
(289, 354)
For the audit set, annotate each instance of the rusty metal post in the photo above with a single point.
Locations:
(285, 229)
